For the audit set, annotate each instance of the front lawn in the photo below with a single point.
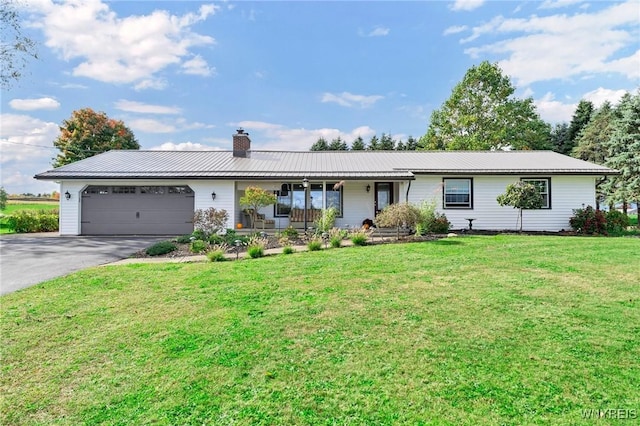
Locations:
(472, 330)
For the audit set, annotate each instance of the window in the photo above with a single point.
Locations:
(123, 190)
(101, 190)
(544, 187)
(180, 190)
(458, 193)
(154, 190)
(320, 196)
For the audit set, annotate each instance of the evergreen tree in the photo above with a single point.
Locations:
(320, 145)
(374, 144)
(590, 143)
(358, 144)
(623, 152)
(412, 144)
(560, 141)
(338, 144)
(387, 143)
(580, 119)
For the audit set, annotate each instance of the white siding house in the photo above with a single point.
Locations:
(156, 192)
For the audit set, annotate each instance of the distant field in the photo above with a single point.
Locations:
(14, 206)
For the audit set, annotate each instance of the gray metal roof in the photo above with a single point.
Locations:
(394, 165)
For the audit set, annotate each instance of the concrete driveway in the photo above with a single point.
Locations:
(26, 260)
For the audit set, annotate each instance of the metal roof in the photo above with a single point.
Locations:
(394, 165)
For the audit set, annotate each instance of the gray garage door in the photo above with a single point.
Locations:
(137, 210)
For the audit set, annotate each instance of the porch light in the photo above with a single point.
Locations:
(213, 196)
(368, 188)
(67, 195)
(305, 183)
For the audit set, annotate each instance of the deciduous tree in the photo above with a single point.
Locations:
(15, 47)
(256, 198)
(483, 114)
(521, 195)
(88, 133)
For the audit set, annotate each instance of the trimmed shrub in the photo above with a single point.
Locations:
(216, 256)
(288, 250)
(314, 245)
(27, 221)
(198, 246)
(163, 247)
(588, 221)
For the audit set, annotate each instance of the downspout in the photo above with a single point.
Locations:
(406, 200)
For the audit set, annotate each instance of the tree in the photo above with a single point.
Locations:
(256, 198)
(338, 144)
(374, 144)
(623, 152)
(387, 143)
(3, 198)
(482, 114)
(579, 121)
(398, 215)
(88, 133)
(320, 145)
(590, 143)
(412, 144)
(15, 47)
(358, 144)
(521, 195)
(560, 140)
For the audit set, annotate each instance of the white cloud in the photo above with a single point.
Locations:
(184, 146)
(466, 5)
(556, 4)
(455, 29)
(347, 99)
(27, 149)
(121, 50)
(151, 125)
(379, 32)
(554, 111)
(151, 83)
(601, 95)
(278, 137)
(198, 66)
(34, 104)
(139, 107)
(562, 46)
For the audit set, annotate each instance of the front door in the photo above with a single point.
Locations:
(383, 194)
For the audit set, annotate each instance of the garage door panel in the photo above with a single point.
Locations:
(136, 214)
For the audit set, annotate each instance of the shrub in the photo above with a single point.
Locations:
(217, 239)
(290, 232)
(24, 221)
(327, 220)
(288, 250)
(359, 238)
(616, 221)
(336, 236)
(183, 239)
(255, 251)
(335, 242)
(163, 247)
(398, 215)
(198, 246)
(210, 220)
(430, 220)
(588, 221)
(314, 245)
(198, 234)
(216, 256)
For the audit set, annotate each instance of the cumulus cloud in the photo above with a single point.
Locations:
(139, 107)
(379, 32)
(34, 104)
(152, 125)
(122, 50)
(26, 148)
(601, 95)
(554, 111)
(563, 46)
(456, 29)
(198, 66)
(278, 137)
(347, 99)
(466, 5)
(557, 4)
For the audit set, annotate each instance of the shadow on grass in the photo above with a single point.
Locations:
(448, 242)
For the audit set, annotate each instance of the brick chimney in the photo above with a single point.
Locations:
(241, 144)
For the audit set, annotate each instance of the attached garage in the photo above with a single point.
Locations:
(137, 210)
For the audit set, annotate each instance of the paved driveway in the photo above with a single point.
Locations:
(26, 260)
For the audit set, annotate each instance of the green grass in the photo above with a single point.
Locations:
(23, 205)
(633, 220)
(474, 330)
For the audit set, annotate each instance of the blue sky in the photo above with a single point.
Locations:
(185, 75)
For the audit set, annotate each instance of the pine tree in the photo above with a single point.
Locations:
(358, 144)
(320, 145)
